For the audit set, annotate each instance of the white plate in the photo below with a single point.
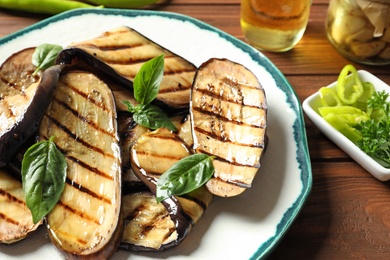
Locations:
(310, 106)
(245, 227)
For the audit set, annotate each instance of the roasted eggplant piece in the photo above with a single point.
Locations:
(148, 225)
(87, 221)
(125, 50)
(151, 226)
(228, 112)
(129, 132)
(16, 221)
(23, 100)
(183, 126)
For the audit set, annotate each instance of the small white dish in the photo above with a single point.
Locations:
(310, 106)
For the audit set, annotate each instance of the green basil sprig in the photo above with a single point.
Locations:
(186, 175)
(45, 55)
(43, 177)
(146, 86)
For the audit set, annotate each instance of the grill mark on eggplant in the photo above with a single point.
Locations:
(77, 114)
(80, 241)
(108, 47)
(221, 159)
(87, 191)
(210, 93)
(158, 156)
(171, 71)
(165, 137)
(226, 140)
(230, 82)
(92, 169)
(78, 139)
(174, 89)
(225, 119)
(147, 228)
(86, 96)
(9, 220)
(78, 213)
(128, 61)
(11, 198)
(132, 61)
(235, 183)
(81, 163)
(6, 82)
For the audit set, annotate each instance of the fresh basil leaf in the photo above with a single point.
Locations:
(130, 107)
(45, 55)
(43, 177)
(153, 117)
(186, 175)
(146, 83)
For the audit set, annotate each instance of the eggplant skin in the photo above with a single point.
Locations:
(23, 101)
(229, 121)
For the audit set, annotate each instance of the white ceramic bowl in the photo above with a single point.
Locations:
(310, 106)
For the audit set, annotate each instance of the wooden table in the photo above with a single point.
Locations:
(348, 212)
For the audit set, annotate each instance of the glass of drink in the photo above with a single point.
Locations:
(274, 25)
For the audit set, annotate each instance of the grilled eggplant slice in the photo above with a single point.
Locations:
(159, 225)
(16, 221)
(87, 221)
(125, 50)
(228, 112)
(129, 132)
(23, 100)
(148, 225)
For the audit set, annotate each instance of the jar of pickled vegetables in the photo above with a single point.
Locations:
(360, 30)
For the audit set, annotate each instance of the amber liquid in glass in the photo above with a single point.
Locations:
(274, 25)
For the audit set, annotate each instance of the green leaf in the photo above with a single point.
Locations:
(130, 107)
(375, 140)
(147, 81)
(44, 56)
(153, 117)
(43, 177)
(185, 176)
(146, 87)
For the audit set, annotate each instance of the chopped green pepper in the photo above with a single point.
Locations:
(124, 3)
(348, 131)
(368, 91)
(329, 97)
(349, 115)
(349, 86)
(43, 6)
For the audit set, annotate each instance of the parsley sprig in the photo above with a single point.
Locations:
(375, 133)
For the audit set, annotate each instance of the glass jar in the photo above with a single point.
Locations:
(360, 30)
(274, 25)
